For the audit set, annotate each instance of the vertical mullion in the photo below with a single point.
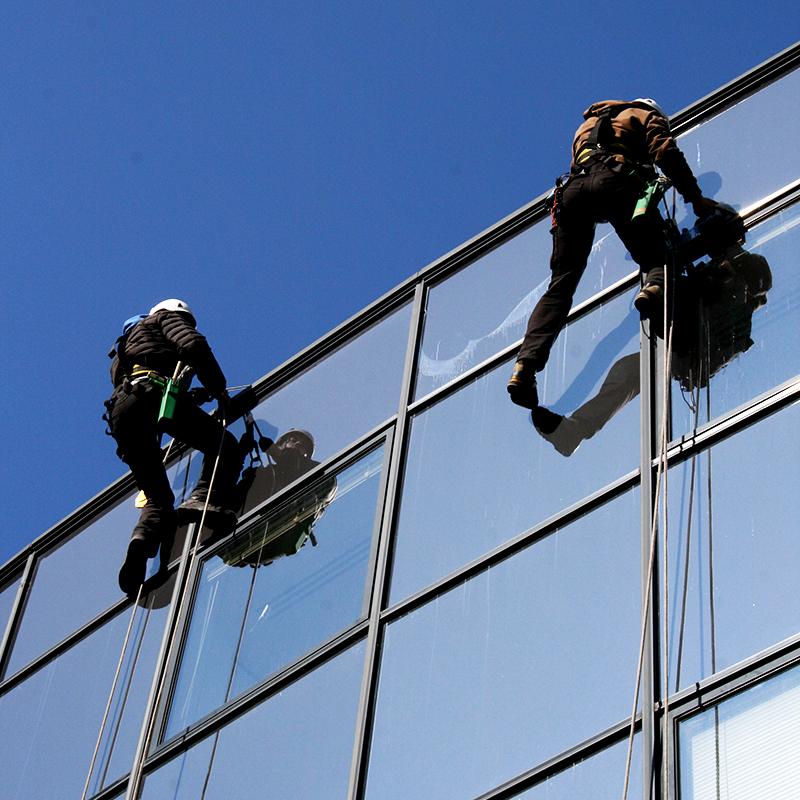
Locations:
(10, 634)
(649, 677)
(172, 629)
(358, 769)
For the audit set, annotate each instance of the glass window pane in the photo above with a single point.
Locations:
(597, 778)
(78, 580)
(482, 309)
(746, 747)
(746, 340)
(279, 590)
(49, 724)
(512, 667)
(500, 477)
(733, 513)
(346, 395)
(297, 744)
(728, 155)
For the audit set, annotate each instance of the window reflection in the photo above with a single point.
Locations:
(728, 155)
(499, 475)
(733, 514)
(512, 667)
(753, 347)
(746, 746)
(482, 309)
(596, 778)
(51, 721)
(83, 569)
(280, 588)
(286, 460)
(346, 395)
(297, 744)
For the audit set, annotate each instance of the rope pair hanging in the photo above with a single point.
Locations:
(661, 474)
(658, 498)
(196, 531)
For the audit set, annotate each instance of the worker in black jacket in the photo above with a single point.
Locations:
(613, 156)
(149, 351)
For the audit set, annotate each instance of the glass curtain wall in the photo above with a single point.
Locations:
(427, 597)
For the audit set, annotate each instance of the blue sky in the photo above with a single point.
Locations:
(279, 166)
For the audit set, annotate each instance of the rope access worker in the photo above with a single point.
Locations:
(148, 353)
(613, 158)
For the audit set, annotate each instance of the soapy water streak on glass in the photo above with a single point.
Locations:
(511, 328)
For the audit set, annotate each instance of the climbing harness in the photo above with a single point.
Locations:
(601, 143)
(170, 387)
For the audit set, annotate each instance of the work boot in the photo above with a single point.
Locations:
(522, 386)
(650, 305)
(563, 433)
(216, 515)
(650, 301)
(132, 572)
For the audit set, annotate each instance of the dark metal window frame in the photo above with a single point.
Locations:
(299, 666)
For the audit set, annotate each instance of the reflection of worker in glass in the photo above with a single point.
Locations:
(713, 321)
(287, 459)
(286, 531)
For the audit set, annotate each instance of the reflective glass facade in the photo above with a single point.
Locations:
(426, 598)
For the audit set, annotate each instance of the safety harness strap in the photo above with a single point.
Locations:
(601, 143)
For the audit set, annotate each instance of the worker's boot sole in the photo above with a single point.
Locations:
(216, 516)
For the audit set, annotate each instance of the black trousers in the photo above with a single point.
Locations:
(134, 426)
(600, 195)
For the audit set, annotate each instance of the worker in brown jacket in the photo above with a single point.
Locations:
(614, 155)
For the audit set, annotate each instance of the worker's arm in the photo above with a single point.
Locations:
(703, 206)
(669, 158)
(194, 350)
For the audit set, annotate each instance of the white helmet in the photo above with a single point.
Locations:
(648, 101)
(173, 305)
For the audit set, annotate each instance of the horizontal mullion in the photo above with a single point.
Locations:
(736, 90)
(336, 463)
(716, 688)
(733, 422)
(65, 644)
(580, 310)
(227, 713)
(512, 547)
(563, 761)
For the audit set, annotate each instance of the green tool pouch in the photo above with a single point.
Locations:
(171, 389)
(169, 399)
(654, 191)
